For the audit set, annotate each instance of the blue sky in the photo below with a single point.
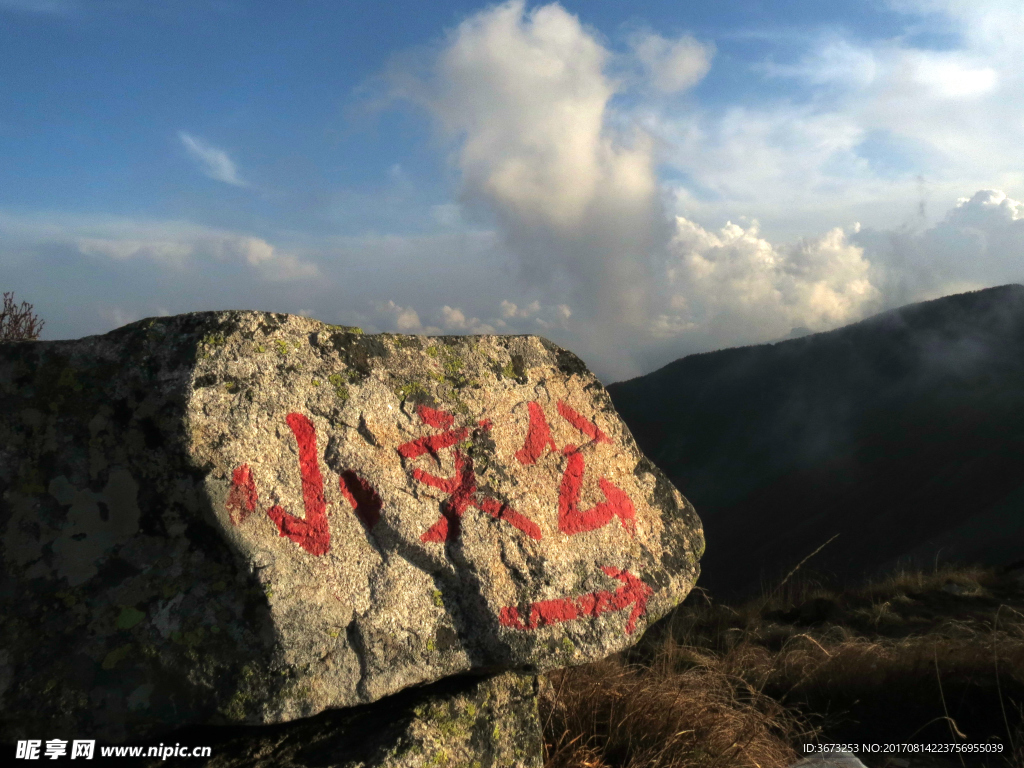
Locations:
(634, 181)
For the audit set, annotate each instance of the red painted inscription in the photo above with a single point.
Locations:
(460, 487)
(586, 427)
(633, 592)
(311, 533)
(572, 519)
(538, 437)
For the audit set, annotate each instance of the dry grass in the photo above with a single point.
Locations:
(613, 714)
(913, 657)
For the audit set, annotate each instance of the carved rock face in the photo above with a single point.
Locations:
(247, 517)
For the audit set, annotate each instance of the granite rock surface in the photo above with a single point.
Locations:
(244, 517)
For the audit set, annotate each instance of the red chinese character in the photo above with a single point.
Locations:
(310, 532)
(632, 594)
(460, 487)
(572, 519)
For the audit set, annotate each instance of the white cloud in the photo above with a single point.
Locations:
(976, 244)
(453, 319)
(204, 246)
(167, 252)
(948, 78)
(735, 287)
(214, 162)
(530, 95)
(576, 201)
(794, 160)
(534, 318)
(402, 319)
(178, 245)
(510, 310)
(569, 175)
(673, 65)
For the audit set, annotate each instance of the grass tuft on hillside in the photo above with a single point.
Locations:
(915, 657)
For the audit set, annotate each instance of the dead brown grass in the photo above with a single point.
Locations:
(910, 657)
(613, 714)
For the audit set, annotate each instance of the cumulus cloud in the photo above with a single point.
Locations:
(529, 94)
(533, 318)
(510, 310)
(734, 287)
(213, 162)
(526, 98)
(455, 320)
(871, 114)
(402, 319)
(976, 244)
(575, 193)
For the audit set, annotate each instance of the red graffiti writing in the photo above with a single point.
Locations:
(633, 592)
(433, 443)
(311, 533)
(460, 487)
(587, 428)
(435, 418)
(538, 437)
(572, 519)
(362, 496)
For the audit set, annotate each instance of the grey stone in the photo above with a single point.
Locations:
(242, 517)
(839, 759)
(476, 723)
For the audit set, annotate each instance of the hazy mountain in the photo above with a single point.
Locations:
(903, 433)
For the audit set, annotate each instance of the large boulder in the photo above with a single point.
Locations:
(248, 517)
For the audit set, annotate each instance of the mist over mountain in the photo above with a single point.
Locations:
(902, 433)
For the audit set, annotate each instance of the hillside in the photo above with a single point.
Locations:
(903, 434)
(916, 657)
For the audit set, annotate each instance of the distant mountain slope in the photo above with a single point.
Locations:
(903, 433)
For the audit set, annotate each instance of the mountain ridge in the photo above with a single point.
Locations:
(897, 430)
